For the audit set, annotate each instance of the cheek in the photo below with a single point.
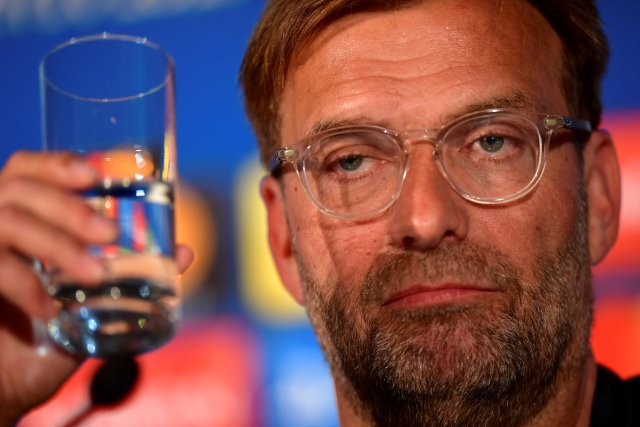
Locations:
(353, 247)
(335, 250)
(543, 221)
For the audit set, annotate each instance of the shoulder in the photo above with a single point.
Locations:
(616, 402)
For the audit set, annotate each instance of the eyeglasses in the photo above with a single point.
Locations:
(488, 157)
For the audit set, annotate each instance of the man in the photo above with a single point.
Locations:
(438, 192)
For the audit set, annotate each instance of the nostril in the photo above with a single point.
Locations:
(408, 242)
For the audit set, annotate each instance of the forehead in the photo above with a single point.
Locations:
(427, 60)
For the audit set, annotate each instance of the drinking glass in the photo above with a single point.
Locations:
(110, 99)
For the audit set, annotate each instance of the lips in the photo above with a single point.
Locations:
(442, 294)
(452, 273)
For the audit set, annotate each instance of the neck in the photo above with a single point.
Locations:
(571, 404)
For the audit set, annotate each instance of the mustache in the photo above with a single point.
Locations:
(457, 262)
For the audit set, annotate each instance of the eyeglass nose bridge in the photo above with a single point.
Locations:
(428, 136)
(412, 137)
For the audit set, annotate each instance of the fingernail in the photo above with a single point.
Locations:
(80, 169)
(93, 267)
(108, 228)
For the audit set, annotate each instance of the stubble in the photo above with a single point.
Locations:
(493, 362)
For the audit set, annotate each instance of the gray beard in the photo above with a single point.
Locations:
(486, 364)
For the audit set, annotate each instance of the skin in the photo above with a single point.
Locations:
(41, 217)
(418, 68)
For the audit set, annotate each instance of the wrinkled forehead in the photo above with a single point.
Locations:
(516, 24)
(419, 47)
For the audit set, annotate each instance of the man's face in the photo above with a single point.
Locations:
(438, 299)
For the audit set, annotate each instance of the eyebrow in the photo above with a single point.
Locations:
(322, 125)
(516, 100)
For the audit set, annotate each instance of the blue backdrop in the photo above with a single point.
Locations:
(207, 39)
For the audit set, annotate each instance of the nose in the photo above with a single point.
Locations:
(428, 210)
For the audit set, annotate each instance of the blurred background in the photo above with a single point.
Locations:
(245, 355)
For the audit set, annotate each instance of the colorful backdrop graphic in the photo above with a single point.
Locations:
(245, 355)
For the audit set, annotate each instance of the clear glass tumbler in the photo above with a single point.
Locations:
(110, 99)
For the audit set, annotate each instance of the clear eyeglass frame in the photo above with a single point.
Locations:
(544, 125)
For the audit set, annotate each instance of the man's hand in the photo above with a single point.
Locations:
(43, 217)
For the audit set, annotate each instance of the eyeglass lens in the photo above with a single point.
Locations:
(360, 171)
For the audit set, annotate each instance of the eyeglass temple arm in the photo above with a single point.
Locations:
(278, 159)
(571, 123)
(577, 124)
(274, 164)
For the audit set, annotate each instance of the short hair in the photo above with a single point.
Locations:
(286, 24)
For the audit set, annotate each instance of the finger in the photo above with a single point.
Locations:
(63, 169)
(66, 211)
(184, 257)
(22, 232)
(21, 286)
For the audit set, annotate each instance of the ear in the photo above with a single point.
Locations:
(602, 182)
(280, 239)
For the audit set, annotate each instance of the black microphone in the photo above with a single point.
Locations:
(110, 385)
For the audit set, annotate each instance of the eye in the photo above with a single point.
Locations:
(497, 143)
(350, 163)
(352, 156)
(491, 143)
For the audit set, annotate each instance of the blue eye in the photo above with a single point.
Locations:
(350, 163)
(492, 143)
